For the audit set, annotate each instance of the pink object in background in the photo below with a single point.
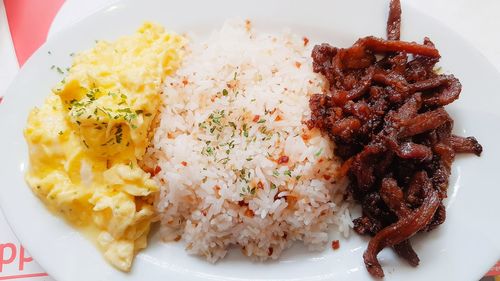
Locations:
(29, 23)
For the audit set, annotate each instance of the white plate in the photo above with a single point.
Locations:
(462, 249)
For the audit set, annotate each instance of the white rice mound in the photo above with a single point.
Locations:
(231, 112)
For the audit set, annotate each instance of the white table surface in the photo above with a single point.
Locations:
(477, 21)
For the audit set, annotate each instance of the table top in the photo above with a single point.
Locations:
(476, 21)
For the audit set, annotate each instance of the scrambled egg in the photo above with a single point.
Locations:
(85, 141)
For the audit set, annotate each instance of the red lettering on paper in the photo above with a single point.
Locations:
(23, 259)
(3, 256)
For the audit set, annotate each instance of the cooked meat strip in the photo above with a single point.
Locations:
(393, 197)
(384, 109)
(415, 191)
(362, 167)
(400, 231)
(379, 45)
(438, 219)
(465, 145)
(430, 83)
(363, 85)
(424, 122)
(444, 158)
(449, 93)
(366, 225)
(405, 250)
(356, 57)
(394, 20)
(410, 150)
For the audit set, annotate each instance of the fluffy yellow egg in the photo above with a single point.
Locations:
(86, 140)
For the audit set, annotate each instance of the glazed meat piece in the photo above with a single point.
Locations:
(379, 45)
(405, 250)
(424, 122)
(385, 112)
(465, 145)
(394, 20)
(404, 228)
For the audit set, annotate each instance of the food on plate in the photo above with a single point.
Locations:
(248, 139)
(385, 112)
(86, 139)
(234, 160)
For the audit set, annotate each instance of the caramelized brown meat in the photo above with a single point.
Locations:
(385, 112)
(465, 145)
(379, 45)
(424, 122)
(405, 250)
(394, 199)
(394, 20)
(400, 231)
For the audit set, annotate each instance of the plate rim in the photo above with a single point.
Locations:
(125, 3)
